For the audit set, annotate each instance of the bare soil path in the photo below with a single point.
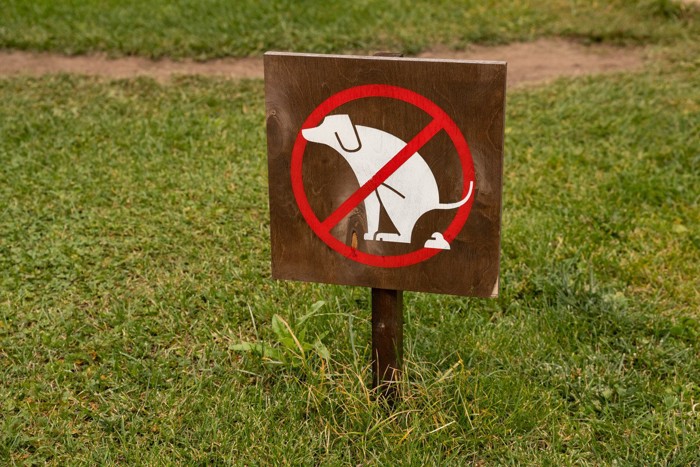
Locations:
(528, 63)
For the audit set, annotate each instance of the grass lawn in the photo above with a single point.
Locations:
(134, 256)
(134, 259)
(214, 28)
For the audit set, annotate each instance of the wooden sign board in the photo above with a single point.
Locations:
(386, 172)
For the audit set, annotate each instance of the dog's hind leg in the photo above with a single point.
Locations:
(404, 225)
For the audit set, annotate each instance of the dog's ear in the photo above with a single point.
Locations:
(347, 136)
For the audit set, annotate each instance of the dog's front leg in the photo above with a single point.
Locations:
(372, 211)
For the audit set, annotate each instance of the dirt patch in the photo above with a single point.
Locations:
(547, 59)
(528, 63)
(34, 64)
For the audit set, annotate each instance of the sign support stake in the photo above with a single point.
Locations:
(387, 340)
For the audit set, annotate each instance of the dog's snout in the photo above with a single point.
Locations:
(308, 134)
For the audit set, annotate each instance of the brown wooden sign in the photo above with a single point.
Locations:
(386, 172)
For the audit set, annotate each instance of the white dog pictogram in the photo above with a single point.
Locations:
(406, 195)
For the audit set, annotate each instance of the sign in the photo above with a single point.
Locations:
(385, 172)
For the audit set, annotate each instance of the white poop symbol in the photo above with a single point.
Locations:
(406, 195)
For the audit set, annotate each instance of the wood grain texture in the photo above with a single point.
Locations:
(471, 93)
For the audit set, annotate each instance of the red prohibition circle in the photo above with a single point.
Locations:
(443, 120)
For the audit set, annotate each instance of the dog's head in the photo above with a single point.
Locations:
(336, 131)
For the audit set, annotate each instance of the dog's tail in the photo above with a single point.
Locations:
(458, 203)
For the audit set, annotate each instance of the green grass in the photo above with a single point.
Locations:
(214, 28)
(134, 256)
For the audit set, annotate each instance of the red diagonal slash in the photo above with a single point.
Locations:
(385, 172)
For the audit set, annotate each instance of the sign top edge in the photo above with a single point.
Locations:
(384, 58)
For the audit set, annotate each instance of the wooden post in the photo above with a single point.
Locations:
(387, 340)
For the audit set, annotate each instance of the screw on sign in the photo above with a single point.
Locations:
(390, 171)
(357, 144)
